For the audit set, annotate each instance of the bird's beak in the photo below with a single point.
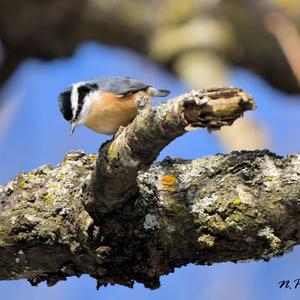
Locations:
(73, 125)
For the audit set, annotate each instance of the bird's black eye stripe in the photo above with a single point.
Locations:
(64, 101)
(82, 92)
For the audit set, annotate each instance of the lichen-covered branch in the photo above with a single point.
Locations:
(137, 146)
(121, 218)
(240, 206)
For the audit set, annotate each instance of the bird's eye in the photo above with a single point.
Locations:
(84, 90)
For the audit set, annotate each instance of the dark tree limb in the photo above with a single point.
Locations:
(240, 206)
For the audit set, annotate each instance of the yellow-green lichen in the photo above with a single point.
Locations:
(93, 157)
(237, 202)
(31, 176)
(175, 207)
(61, 177)
(206, 241)
(112, 153)
(21, 182)
(48, 197)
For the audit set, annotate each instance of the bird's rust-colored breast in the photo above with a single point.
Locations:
(110, 112)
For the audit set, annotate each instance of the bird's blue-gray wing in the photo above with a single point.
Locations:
(120, 85)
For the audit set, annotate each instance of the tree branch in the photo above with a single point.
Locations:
(239, 206)
(138, 145)
(244, 205)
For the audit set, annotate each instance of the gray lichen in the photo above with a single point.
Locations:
(219, 208)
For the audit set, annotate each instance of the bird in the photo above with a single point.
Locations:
(104, 104)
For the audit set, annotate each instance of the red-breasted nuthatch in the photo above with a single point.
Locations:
(104, 104)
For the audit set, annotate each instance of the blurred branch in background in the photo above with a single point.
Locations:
(232, 30)
(7, 113)
(288, 37)
(197, 40)
(246, 133)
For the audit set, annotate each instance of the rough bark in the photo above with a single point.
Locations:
(227, 31)
(137, 146)
(239, 206)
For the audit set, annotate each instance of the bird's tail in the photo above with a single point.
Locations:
(159, 93)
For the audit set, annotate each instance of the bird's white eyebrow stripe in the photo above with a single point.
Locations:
(74, 98)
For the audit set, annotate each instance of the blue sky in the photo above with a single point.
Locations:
(32, 132)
